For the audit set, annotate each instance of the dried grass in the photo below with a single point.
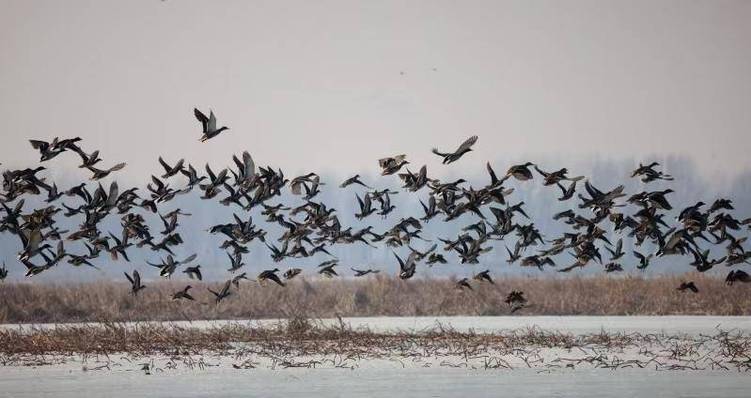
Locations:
(300, 342)
(377, 296)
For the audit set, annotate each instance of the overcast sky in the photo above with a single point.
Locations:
(333, 86)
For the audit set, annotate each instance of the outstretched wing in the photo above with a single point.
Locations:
(212, 122)
(36, 144)
(437, 152)
(467, 144)
(201, 118)
(189, 259)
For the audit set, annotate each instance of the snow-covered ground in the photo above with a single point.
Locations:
(414, 371)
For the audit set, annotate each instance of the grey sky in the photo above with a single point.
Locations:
(336, 85)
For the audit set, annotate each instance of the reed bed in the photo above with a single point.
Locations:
(371, 296)
(300, 342)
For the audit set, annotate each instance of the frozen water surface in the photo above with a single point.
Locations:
(378, 378)
(569, 324)
(63, 383)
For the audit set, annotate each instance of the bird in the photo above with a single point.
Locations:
(436, 258)
(649, 174)
(613, 267)
(270, 275)
(170, 171)
(407, 268)
(235, 262)
(513, 256)
(100, 174)
(359, 272)
(208, 125)
(643, 260)
(291, 273)
(617, 252)
(366, 207)
(567, 193)
(135, 282)
(183, 294)
(484, 276)
(688, 286)
(353, 180)
(463, 284)
(737, 276)
(237, 278)
(3, 272)
(223, 293)
(450, 157)
(88, 160)
(391, 165)
(328, 270)
(194, 272)
(555, 177)
(516, 300)
(520, 171)
(49, 150)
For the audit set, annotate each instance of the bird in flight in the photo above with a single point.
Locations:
(208, 124)
(450, 157)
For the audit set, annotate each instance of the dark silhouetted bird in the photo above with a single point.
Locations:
(688, 286)
(450, 157)
(135, 282)
(208, 124)
(183, 294)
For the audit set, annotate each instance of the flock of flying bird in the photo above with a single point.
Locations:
(311, 227)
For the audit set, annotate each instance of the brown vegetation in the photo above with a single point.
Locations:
(378, 296)
(299, 342)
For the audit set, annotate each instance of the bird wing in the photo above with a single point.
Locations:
(164, 164)
(212, 121)
(437, 152)
(117, 167)
(189, 259)
(201, 117)
(359, 201)
(467, 144)
(212, 176)
(113, 194)
(250, 166)
(493, 177)
(401, 263)
(225, 289)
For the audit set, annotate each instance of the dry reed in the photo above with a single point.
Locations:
(376, 296)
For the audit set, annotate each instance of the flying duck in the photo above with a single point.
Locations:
(208, 125)
(450, 157)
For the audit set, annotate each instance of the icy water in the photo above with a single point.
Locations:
(384, 378)
(56, 382)
(569, 324)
